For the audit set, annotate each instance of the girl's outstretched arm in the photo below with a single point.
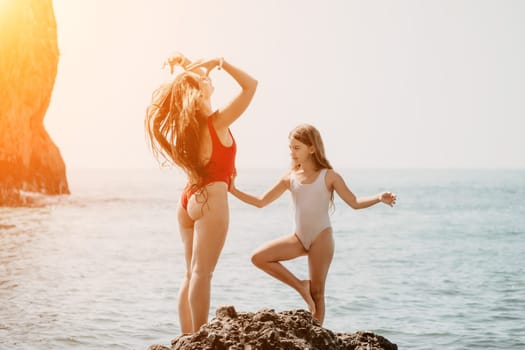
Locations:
(261, 201)
(337, 182)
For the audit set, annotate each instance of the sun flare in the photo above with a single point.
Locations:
(8, 10)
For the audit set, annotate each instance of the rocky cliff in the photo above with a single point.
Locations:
(268, 330)
(29, 160)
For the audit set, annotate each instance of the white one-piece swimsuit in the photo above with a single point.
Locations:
(311, 204)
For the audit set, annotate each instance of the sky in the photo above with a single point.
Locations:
(389, 84)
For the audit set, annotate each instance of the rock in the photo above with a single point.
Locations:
(226, 312)
(269, 330)
(29, 160)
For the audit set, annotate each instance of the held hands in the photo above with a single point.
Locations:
(232, 181)
(388, 198)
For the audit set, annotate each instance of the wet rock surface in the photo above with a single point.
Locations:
(267, 329)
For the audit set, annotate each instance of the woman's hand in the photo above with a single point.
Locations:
(176, 59)
(208, 65)
(388, 198)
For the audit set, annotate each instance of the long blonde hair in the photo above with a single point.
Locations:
(173, 124)
(310, 136)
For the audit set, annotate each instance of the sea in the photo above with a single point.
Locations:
(100, 268)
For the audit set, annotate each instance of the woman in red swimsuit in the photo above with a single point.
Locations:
(184, 129)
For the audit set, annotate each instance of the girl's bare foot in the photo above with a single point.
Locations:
(307, 296)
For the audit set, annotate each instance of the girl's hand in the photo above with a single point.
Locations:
(232, 181)
(207, 65)
(388, 198)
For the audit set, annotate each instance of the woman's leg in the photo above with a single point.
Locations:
(319, 258)
(186, 233)
(211, 227)
(269, 256)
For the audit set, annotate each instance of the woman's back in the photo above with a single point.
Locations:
(217, 158)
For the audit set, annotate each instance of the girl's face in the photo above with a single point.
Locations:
(300, 152)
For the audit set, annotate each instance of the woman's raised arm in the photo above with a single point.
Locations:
(234, 109)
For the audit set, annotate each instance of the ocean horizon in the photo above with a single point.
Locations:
(100, 268)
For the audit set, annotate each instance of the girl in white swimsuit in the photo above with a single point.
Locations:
(311, 205)
(312, 183)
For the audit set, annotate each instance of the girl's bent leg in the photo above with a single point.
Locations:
(268, 258)
(186, 233)
(319, 258)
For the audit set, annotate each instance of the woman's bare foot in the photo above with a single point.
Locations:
(307, 296)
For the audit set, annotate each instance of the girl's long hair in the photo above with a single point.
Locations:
(173, 126)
